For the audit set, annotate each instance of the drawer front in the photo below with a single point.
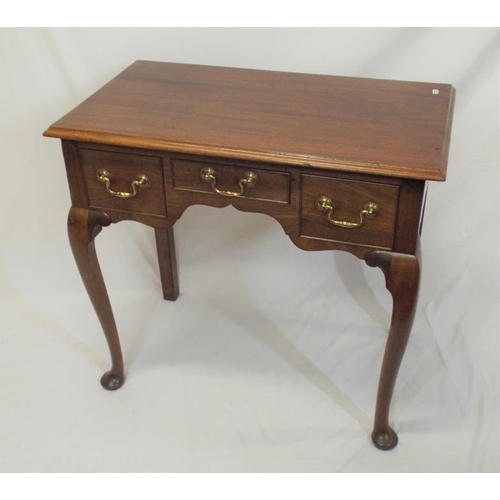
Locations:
(268, 186)
(341, 208)
(126, 190)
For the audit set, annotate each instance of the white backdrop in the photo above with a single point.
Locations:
(269, 359)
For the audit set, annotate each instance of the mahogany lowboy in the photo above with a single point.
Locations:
(341, 163)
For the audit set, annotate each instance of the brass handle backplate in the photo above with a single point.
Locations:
(249, 179)
(140, 181)
(370, 210)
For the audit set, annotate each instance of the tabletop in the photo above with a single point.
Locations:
(380, 127)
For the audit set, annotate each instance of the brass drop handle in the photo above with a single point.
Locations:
(370, 210)
(249, 179)
(140, 181)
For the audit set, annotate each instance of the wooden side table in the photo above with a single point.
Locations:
(341, 163)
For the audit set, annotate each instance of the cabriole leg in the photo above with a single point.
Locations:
(83, 226)
(402, 274)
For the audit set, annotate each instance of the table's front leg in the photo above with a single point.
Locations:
(402, 273)
(83, 226)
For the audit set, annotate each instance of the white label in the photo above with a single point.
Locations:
(435, 91)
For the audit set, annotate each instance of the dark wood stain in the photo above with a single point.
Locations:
(353, 140)
(354, 124)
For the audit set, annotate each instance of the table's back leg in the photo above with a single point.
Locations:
(402, 273)
(165, 245)
(83, 226)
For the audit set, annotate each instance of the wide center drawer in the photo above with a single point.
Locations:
(349, 211)
(225, 180)
(124, 181)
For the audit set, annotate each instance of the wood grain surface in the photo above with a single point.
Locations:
(381, 127)
(123, 169)
(269, 186)
(348, 198)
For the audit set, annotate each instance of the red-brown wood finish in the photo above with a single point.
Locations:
(165, 245)
(123, 168)
(83, 226)
(348, 198)
(305, 136)
(269, 185)
(340, 123)
(402, 277)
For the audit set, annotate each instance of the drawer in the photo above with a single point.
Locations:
(348, 199)
(195, 176)
(123, 172)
